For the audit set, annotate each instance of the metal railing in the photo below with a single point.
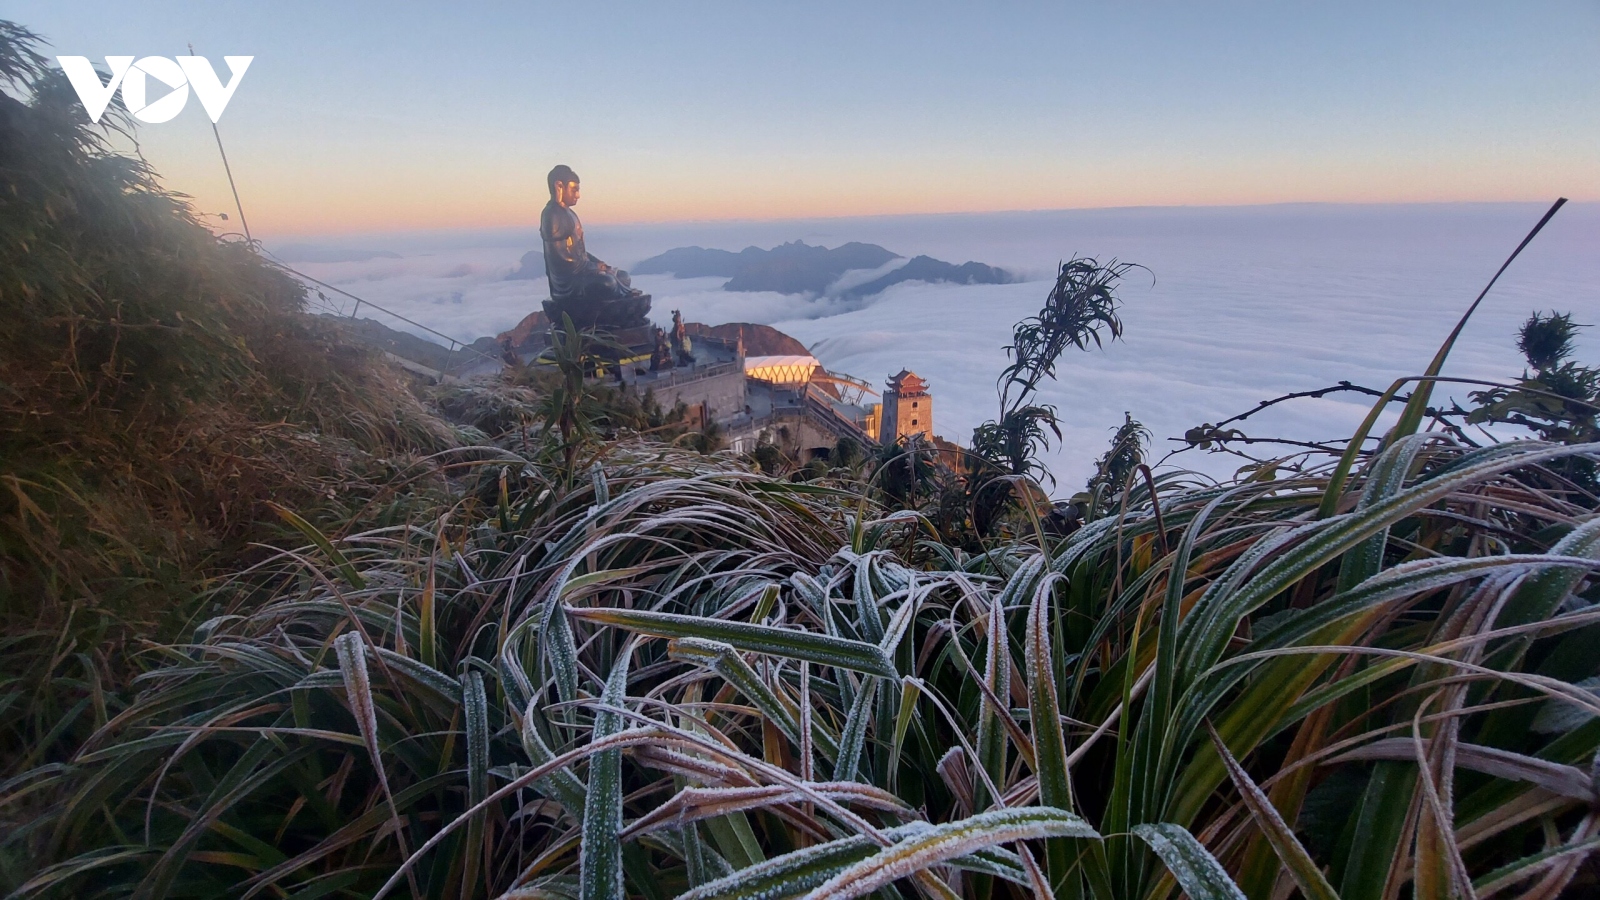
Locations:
(670, 377)
(360, 301)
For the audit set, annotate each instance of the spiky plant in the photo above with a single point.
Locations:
(1560, 399)
(1547, 341)
(1081, 305)
(1114, 470)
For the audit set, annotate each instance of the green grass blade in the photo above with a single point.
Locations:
(1511, 873)
(1416, 407)
(789, 875)
(1197, 871)
(817, 648)
(560, 649)
(1044, 717)
(868, 616)
(948, 841)
(854, 735)
(724, 659)
(991, 745)
(1313, 886)
(562, 785)
(600, 874)
(1411, 419)
(1540, 595)
(475, 714)
(340, 562)
(1208, 632)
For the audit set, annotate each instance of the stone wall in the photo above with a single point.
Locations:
(794, 431)
(720, 395)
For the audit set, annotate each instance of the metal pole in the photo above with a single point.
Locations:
(228, 169)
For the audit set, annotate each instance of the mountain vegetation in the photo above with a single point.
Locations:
(279, 624)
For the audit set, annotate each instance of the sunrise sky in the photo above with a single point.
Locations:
(361, 117)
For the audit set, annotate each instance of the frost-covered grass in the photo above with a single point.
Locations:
(677, 677)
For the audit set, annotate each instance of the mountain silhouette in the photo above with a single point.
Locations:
(530, 267)
(926, 268)
(792, 268)
(800, 268)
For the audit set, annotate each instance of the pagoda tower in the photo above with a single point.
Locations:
(907, 408)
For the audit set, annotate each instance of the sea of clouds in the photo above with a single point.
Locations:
(1236, 305)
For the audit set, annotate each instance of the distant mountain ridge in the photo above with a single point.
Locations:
(792, 268)
(926, 268)
(531, 266)
(699, 262)
(800, 268)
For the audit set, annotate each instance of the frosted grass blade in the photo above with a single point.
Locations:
(1197, 871)
(785, 642)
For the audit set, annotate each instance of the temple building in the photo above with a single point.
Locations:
(756, 383)
(907, 408)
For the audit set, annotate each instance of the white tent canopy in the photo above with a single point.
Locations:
(781, 369)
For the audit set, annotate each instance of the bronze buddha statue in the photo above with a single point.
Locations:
(593, 293)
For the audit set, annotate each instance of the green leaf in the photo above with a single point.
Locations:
(991, 745)
(1197, 871)
(352, 655)
(600, 863)
(555, 639)
(785, 642)
(1417, 407)
(1044, 718)
(1214, 620)
(561, 785)
(868, 615)
(1044, 710)
(475, 709)
(854, 735)
(1313, 886)
(348, 571)
(942, 843)
(795, 873)
(1528, 866)
(724, 659)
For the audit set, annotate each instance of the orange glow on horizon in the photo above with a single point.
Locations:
(281, 203)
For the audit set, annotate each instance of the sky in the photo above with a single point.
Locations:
(375, 117)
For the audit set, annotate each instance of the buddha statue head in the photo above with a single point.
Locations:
(564, 186)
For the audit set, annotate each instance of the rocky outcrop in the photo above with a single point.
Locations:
(534, 329)
(759, 340)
